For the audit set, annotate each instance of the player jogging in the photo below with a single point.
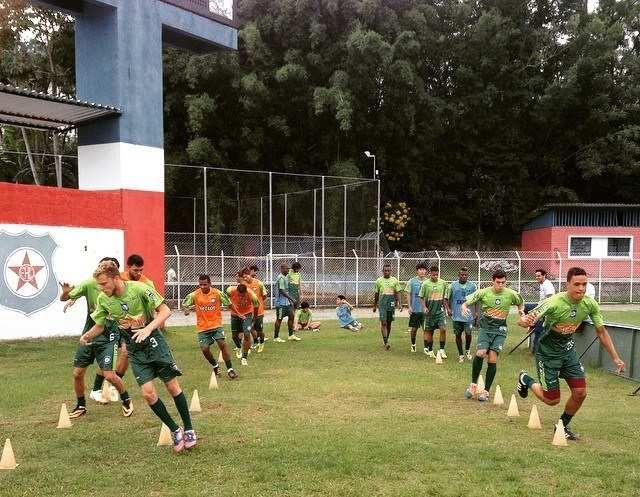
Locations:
(244, 311)
(208, 302)
(495, 303)
(285, 305)
(556, 356)
(386, 298)
(258, 288)
(457, 293)
(416, 313)
(432, 298)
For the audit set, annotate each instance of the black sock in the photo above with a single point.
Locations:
(528, 380)
(430, 345)
(245, 354)
(237, 341)
(459, 344)
(491, 374)
(183, 409)
(413, 340)
(82, 402)
(442, 344)
(566, 418)
(124, 397)
(228, 364)
(476, 367)
(467, 342)
(276, 333)
(426, 344)
(290, 331)
(161, 411)
(97, 383)
(212, 361)
(120, 375)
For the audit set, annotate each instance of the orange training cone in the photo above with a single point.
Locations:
(534, 419)
(559, 439)
(8, 459)
(63, 420)
(165, 436)
(513, 407)
(195, 403)
(497, 398)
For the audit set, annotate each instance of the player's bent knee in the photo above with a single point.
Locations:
(78, 373)
(481, 353)
(551, 397)
(109, 376)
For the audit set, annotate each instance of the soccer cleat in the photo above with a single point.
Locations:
(470, 391)
(429, 353)
(238, 353)
(522, 387)
(413, 348)
(461, 359)
(260, 348)
(570, 435)
(244, 362)
(294, 338)
(387, 346)
(442, 354)
(127, 408)
(97, 396)
(469, 356)
(77, 412)
(190, 439)
(178, 440)
(483, 396)
(216, 370)
(279, 340)
(231, 373)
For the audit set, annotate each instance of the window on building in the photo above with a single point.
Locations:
(580, 247)
(618, 247)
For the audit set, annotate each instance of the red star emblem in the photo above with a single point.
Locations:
(26, 272)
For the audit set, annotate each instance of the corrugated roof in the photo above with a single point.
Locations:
(550, 206)
(32, 109)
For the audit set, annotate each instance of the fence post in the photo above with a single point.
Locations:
(222, 270)
(478, 256)
(315, 280)
(599, 279)
(355, 254)
(559, 271)
(631, 281)
(519, 272)
(397, 255)
(175, 247)
(439, 262)
(270, 276)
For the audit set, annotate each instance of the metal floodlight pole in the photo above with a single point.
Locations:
(175, 247)
(270, 212)
(193, 254)
(322, 228)
(285, 223)
(261, 226)
(315, 221)
(206, 221)
(369, 155)
(378, 223)
(344, 224)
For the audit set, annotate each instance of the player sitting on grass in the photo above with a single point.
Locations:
(343, 311)
(133, 306)
(208, 302)
(495, 303)
(556, 356)
(304, 318)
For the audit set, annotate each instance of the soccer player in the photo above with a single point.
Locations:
(295, 283)
(432, 298)
(556, 356)
(343, 311)
(284, 306)
(304, 319)
(104, 350)
(457, 293)
(387, 296)
(208, 302)
(495, 303)
(244, 311)
(546, 290)
(258, 288)
(416, 314)
(134, 271)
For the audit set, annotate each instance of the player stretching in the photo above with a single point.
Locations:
(495, 303)
(295, 284)
(104, 350)
(244, 311)
(556, 356)
(304, 319)
(208, 305)
(284, 306)
(386, 298)
(133, 306)
(416, 314)
(258, 288)
(432, 298)
(457, 293)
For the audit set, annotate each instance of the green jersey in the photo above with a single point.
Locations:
(433, 293)
(562, 316)
(302, 316)
(132, 310)
(494, 308)
(88, 289)
(387, 286)
(294, 277)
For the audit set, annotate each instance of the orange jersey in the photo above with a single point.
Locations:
(243, 302)
(208, 308)
(257, 287)
(143, 279)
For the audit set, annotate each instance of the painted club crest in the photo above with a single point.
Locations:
(28, 283)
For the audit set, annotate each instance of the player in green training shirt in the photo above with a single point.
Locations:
(104, 350)
(495, 303)
(133, 306)
(295, 284)
(416, 312)
(432, 297)
(556, 356)
(386, 298)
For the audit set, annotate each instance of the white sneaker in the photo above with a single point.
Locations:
(461, 359)
(413, 348)
(238, 353)
(442, 354)
(429, 353)
(469, 356)
(244, 362)
(279, 340)
(294, 338)
(97, 396)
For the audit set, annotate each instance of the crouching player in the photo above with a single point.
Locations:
(304, 319)
(343, 311)
(132, 304)
(556, 356)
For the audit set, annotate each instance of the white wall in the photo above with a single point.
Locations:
(76, 256)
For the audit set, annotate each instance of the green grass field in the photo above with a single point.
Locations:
(332, 415)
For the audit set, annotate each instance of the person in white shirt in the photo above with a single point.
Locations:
(546, 290)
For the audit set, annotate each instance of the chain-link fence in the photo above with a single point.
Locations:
(353, 276)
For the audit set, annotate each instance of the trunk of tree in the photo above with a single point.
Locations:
(58, 160)
(30, 156)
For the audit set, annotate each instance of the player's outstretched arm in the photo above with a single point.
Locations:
(66, 290)
(607, 343)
